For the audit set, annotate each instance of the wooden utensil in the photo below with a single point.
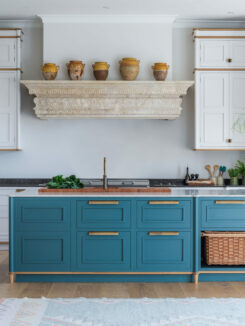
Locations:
(208, 167)
(216, 168)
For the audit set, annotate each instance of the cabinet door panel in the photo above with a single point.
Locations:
(8, 53)
(237, 109)
(42, 251)
(8, 109)
(164, 252)
(214, 53)
(174, 214)
(42, 214)
(103, 252)
(217, 215)
(237, 50)
(213, 106)
(103, 213)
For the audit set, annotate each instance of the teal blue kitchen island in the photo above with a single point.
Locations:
(120, 237)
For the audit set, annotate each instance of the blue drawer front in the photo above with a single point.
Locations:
(222, 213)
(164, 252)
(42, 214)
(167, 213)
(42, 251)
(103, 213)
(103, 252)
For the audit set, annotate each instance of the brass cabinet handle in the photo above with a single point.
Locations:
(233, 202)
(103, 202)
(163, 233)
(229, 60)
(163, 202)
(103, 233)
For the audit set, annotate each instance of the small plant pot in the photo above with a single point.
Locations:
(234, 181)
(243, 180)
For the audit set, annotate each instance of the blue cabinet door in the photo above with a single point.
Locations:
(42, 251)
(170, 213)
(164, 251)
(103, 213)
(41, 214)
(103, 251)
(222, 213)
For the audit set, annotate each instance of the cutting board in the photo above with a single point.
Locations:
(110, 189)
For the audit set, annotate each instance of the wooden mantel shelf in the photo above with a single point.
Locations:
(107, 99)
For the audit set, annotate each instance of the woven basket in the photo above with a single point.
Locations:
(224, 248)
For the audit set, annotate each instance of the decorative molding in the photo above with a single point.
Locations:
(107, 99)
(21, 23)
(98, 19)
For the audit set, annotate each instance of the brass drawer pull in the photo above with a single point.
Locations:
(103, 202)
(232, 202)
(103, 233)
(163, 202)
(163, 233)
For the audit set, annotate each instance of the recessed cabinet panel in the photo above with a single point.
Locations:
(7, 53)
(103, 213)
(237, 109)
(41, 251)
(42, 214)
(8, 109)
(213, 103)
(214, 53)
(237, 50)
(163, 252)
(167, 214)
(229, 214)
(102, 252)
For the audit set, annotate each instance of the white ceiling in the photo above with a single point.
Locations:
(193, 9)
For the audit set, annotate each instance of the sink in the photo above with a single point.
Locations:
(110, 189)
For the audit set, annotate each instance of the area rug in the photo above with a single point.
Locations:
(122, 312)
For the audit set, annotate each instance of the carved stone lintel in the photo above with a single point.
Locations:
(108, 99)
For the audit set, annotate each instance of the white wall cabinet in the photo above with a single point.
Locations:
(220, 92)
(10, 89)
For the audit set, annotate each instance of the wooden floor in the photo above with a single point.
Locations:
(115, 290)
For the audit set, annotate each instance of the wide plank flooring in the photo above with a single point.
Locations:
(115, 290)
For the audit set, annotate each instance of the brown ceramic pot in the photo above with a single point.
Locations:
(160, 75)
(75, 69)
(101, 74)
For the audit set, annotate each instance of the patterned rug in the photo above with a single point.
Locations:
(122, 312)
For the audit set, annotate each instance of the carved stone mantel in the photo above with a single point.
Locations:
(107, 99)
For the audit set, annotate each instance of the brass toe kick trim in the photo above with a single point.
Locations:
(103, 273)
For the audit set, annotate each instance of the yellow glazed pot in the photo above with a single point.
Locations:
(160, 71)
(75, 69)
(129, 68)
(50, 71)
(101, 66)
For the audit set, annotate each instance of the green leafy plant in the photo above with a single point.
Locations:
(71, 182)
(233, 173)
(240, 166)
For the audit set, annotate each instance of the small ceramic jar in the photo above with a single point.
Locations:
(160, 71)
(101, 70)
(129, 68)
(49, 71)
(75, 69)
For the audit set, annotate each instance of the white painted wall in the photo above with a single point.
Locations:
(135, 148)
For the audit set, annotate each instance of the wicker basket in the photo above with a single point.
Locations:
(224, 248)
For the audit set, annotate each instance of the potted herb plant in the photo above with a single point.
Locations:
(240, 166)
(233, 173)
